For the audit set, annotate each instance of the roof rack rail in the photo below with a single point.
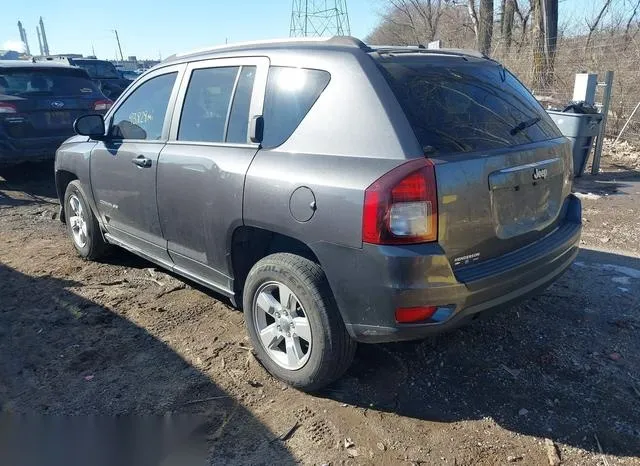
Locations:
(348, 40)
(422, 49)
(289, 40)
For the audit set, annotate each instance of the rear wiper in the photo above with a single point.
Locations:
(524, 125)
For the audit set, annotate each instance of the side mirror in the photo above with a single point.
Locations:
(256, 129)
(90, 125)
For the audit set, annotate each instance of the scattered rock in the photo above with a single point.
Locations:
(513, 459)
(513, 372)
(589, 196)
(381, 446)
(523, 412)
(254, 383)
(352, 452)
(615, 356)
(605, 239)
(348, 443)
(552, 452)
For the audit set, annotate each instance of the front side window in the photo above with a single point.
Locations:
(207, 104)
(142, 115)
(290, 94)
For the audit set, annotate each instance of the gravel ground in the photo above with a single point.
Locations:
(556, 378)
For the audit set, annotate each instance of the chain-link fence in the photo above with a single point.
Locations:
(605, 52)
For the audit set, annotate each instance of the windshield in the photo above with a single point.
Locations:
(45, 81)
(98, 69)
(457, 104)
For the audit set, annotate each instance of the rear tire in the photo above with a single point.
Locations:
(82, 224)
(321, 347)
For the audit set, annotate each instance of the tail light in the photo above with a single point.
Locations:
(409, 315)
(402, 206)
(7, 108)
(102, 105)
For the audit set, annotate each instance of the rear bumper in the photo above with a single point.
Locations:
(13, 151)
(369, 284)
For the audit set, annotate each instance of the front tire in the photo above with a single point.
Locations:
(294, 323)
(82, 224)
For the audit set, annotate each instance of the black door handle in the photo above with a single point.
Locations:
(142, 161)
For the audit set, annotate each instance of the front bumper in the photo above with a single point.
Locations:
(369, 284)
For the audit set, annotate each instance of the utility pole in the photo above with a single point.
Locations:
(23, 37)
(39, 41)
(119, 46)
(45, 44)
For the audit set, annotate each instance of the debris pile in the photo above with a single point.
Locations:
(622, 152)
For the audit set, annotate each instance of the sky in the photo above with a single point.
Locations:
(153, 28)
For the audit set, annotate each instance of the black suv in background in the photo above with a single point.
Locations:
(38, 105)
(109, 80)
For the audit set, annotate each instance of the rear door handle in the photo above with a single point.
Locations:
(142, 161)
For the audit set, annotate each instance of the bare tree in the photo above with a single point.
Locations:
(411, 22)
(473, 14)
(482, 19)
(545, 32)
(524, 16)
(421, 16)
(506, 22)
(632, 17)
(593, 25)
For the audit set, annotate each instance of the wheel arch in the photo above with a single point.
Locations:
(250, 244)
(63, 178)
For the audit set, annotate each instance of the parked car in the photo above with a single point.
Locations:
(38, 105)
(103, 72)
(338, 193)
(129, 75)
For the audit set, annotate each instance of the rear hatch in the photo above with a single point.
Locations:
(106, 75)
(39, 102)
(502, 167)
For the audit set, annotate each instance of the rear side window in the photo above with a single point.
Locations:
(212, 111)
(46, 82)
(206, 105)
(141, 116)
(239, 118)
(290, 94)
(465, 105)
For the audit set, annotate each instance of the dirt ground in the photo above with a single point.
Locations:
(556, 377)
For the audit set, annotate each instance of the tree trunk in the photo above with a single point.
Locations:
(551, 26)
(537, 40)
(544, 31)
(474, 17)
(485, 26)
(507, 22)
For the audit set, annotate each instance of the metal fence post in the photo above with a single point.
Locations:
(606, 101)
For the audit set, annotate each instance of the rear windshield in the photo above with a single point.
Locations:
(98, 69)
(456, 104)
(45, 81)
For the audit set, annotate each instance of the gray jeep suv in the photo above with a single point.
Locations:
(338, 193)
